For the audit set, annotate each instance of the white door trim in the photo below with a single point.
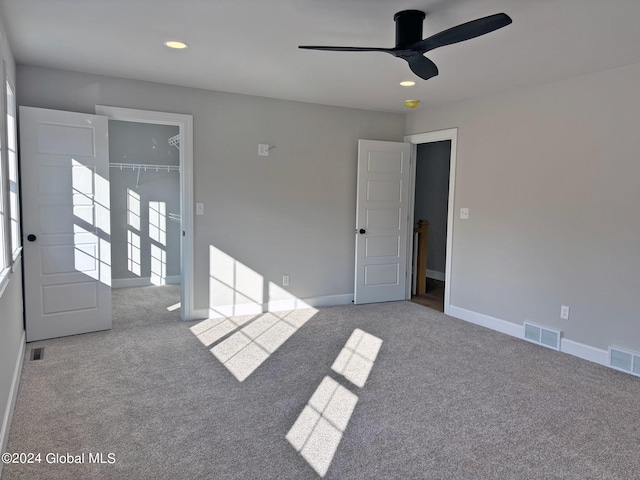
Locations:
(185, 124)
(415, 140)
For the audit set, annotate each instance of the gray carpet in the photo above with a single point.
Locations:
(444, 400)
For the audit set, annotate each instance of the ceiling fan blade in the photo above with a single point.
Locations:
(346, 49)
(462, 32)
(421, 66)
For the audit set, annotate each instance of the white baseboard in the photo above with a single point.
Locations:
(585, 352)
(309, 302)
(224, 311)
(493, 323)
(199, 314)
(13, 395)
(237, 309)
(435, 275)
(141, 281)
(571, 347)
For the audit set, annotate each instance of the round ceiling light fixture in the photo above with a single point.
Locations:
(176, 44)
(411, 103)
(408, 83)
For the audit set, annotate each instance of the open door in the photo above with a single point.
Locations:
(65, 185)
(381, 221)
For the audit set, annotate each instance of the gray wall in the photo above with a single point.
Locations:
(11, 319)
(292, 212)
(11, 338)
(431, 200)
(550, 176)
(132, 142)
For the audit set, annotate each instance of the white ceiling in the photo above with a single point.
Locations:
(250, 46)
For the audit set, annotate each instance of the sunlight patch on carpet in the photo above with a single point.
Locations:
(318, 429)
(356, 359)
(211, 330)
(174, 307)
(244, 351)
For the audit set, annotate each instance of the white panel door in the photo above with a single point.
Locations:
(381, 221)
(67, 253)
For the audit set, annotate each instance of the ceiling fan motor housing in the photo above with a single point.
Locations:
(408, 27)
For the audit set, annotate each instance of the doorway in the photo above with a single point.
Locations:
(154, 221)
(144, 181)
(144, 184)
(430, 215)
(431, 198)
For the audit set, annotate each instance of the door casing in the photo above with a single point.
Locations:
(185, 125)
(429, 137)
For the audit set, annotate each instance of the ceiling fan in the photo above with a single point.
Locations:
(411, 47)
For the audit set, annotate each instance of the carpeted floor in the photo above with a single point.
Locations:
(444, 400)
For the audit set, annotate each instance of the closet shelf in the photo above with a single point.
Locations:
(146, 167)
(175, 141)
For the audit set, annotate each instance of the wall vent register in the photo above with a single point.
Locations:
(37, 353)
(624, 360)
(544, 336)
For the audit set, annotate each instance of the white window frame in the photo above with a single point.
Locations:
(5, 264)
(11, 235)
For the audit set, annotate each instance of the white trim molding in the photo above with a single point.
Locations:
(330, 300)
(200, 314)
(13, 395)
(586, 352)
(185, 124)
(226, 311)
(487, 321)
(571, 347)
(429, 137)
(142, 281)
(311, 302)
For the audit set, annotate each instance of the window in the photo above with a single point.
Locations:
(3, 221)
(10, 235)
(12, 161)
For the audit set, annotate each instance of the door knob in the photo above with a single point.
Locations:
(363, 231)
(31, 237)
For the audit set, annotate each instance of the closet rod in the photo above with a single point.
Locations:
(147, 167)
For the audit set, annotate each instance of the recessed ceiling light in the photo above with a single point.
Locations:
(408, 83)
(176, 44)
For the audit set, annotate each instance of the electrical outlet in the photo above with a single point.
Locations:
(464, 213)
(564, 312)
(285, 280)
(199, 208)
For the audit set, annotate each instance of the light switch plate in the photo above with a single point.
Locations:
(464, 213)
(263, 149)
(199, 208)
